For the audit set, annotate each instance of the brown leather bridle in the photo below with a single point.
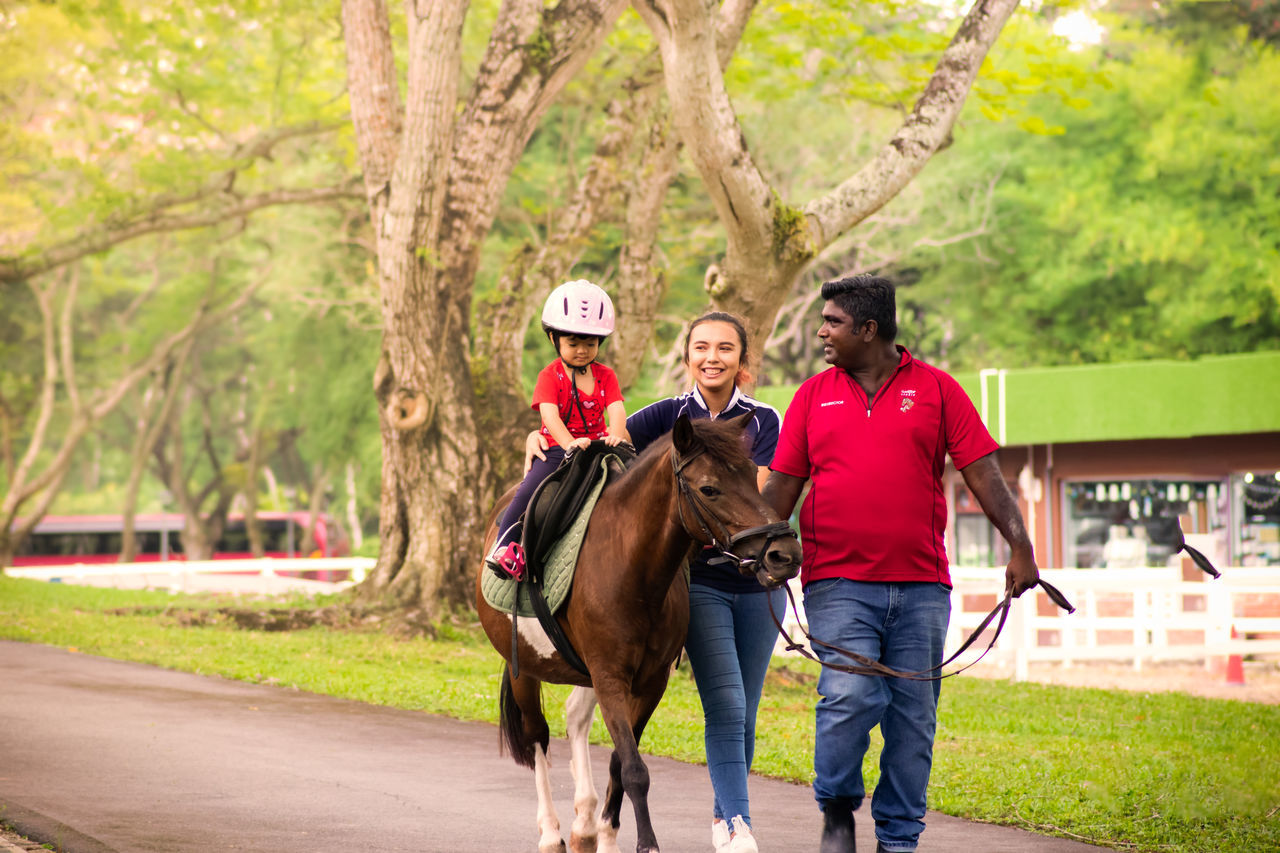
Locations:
(728, 540)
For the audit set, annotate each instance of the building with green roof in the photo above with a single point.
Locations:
(1102, 457)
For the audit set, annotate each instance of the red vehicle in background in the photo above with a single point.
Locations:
(60, 539)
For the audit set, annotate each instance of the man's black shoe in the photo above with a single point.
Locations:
(837, 828)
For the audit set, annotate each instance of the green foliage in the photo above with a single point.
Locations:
(1146, 229)
(115, 102)
(115, 107)
(1164, 772)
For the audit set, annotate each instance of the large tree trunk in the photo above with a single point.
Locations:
(433, 177)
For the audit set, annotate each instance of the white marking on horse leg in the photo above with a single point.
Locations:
(579, 711)
(548, 823)
(608, 838)
(531, 632)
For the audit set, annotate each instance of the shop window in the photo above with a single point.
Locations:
(1133, 523)
(977, 542)
(1256, 497)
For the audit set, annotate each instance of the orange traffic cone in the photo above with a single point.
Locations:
(1235, 666)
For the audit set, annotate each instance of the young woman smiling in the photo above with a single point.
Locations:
(731, 632)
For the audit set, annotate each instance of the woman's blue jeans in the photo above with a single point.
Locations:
(903, 625)
(731, 639)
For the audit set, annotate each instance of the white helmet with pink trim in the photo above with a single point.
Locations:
(578, 308)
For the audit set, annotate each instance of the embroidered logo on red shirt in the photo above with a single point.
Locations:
(907, 400)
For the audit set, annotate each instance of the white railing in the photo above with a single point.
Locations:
(269, 574)
(1134, 615)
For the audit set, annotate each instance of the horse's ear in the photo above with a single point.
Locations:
(741, 421)
(682, 436)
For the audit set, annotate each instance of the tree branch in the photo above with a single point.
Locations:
(706, 122)
(920, 136)
(533, 52)
(67, 344)
(17, 485)
(376, 111)
(223, 208)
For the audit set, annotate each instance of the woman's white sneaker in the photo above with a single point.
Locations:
(742, 841)
(720, 836)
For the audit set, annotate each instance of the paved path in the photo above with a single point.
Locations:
(100, 756)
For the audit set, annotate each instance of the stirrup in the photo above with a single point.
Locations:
(507, 562)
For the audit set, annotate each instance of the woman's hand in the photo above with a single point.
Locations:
(534, 445)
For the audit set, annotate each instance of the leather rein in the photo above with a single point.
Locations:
(863, 665)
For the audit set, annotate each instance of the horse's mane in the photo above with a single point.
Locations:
(723, 442)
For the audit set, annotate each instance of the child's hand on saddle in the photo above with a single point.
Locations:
(613, 440)
(578, 444)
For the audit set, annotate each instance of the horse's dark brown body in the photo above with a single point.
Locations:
(627, 616)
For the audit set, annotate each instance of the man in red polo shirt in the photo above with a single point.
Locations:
(871, 435)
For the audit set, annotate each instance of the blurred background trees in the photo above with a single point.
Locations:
(187, 259)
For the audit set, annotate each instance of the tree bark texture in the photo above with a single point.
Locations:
(434, 175)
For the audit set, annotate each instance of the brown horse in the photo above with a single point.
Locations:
(628, 613)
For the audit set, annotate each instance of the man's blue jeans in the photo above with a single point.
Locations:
(731, 639)
(903, 625)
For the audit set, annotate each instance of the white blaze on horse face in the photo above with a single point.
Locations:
(531, 632)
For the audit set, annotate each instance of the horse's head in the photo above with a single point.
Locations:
(720, 502)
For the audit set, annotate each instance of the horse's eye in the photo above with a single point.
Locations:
(709, 491)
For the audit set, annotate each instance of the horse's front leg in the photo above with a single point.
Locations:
(579, 710)
(627, 770)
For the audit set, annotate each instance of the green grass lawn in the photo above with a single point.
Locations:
(1143, 772)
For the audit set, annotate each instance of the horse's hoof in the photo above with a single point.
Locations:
(558, 847)
(582, 844)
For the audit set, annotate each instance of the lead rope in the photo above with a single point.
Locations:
(863, 665)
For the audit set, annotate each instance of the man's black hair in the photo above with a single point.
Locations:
(866, 297)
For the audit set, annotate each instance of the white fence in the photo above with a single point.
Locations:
(267, 575)
(1136, 615)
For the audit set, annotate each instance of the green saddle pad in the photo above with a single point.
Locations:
(557, 576)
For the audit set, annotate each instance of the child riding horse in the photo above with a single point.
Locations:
(627, 614)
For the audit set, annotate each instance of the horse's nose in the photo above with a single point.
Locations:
(782, 560)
